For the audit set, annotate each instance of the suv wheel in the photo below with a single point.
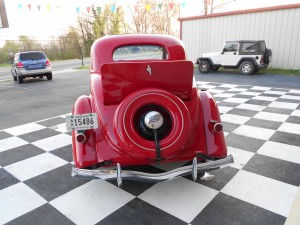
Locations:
(20, 79)
(49, 76)
(246, 68)
(204, 66)
(15, 78)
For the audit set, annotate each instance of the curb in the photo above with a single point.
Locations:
(294, 215)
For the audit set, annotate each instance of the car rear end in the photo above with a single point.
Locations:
(33, 64)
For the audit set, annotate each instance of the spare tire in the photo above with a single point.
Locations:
(268, 56)
(138, 142)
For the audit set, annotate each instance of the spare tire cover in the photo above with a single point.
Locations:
(129, 139)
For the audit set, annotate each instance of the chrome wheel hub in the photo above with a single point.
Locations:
(153, 120)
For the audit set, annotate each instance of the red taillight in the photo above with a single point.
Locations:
(20, 65)
(262, 60)
(218, 127)
(47, 63)
(81, 138)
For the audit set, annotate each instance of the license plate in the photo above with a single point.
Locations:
(82, 121)
(34, 66)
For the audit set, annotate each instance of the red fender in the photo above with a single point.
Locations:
(84, 154)
(215, 142)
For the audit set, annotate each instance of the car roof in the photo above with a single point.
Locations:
(28, 52)
(246, 41)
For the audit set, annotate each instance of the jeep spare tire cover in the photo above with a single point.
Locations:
(268, 55)
(131, 112)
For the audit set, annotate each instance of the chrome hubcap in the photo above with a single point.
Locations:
(153, 120)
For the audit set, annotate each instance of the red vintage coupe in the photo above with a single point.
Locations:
(144, 109)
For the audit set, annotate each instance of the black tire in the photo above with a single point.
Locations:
(268, 56)
(204, 66)
(41, 76)
(215, 68)
(49, 76)
(256, 70)
(20, 79)
(14, 77)
(246, 68)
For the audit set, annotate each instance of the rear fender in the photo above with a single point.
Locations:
(84, 154)
(215, 141)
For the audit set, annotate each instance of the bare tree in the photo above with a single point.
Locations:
(209, 6)
(150, 17)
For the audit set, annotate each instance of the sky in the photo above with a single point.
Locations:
(42, 19)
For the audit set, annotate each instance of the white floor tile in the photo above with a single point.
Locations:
(236, 100)
(294, 91)
(251, 107)
(281, 151)
(60, 128)
(275, 92)
(91, 202)
(35, 166)
(240, 157)
(224, 109)
(12, 142)
(238, 89)
(260, 88)
(228, 85)
(179, 197)
(265, 98)
(24, 129)
(254, 132)
(264, 192)
(224, 95)
(290, 128)
(234, 118)
(201, 82)
(271, 116)
(17, 200)
(206, 86)
(283, 105)
(250, 93)
(55, 142)
(292, 97)
(215, 91)
(296, 113)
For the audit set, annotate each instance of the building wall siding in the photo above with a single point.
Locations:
(278, 26)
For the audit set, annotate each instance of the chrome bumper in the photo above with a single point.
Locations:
(119, 174)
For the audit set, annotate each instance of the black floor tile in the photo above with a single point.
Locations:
(55, 183)
(138, 212)
(38, 135)
(6, 179)
(44, 215)
(227, 210)
(286, 138)
(20, 153)
(274, 168)
(243, 142)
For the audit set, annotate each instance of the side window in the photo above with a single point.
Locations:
(231, 47)
(248, 47)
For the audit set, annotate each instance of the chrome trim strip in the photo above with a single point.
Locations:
(113, 174)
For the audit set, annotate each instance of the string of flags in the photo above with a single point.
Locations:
(78, 9)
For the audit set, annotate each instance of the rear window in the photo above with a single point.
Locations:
(32, 56)
(140, 52)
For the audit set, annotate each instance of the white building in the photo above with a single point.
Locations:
(279, 26)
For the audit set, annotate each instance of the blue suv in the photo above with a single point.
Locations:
(31, 64)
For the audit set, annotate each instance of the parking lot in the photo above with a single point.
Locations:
(261, 118)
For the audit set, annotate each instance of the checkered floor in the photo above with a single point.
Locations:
(262, 128)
